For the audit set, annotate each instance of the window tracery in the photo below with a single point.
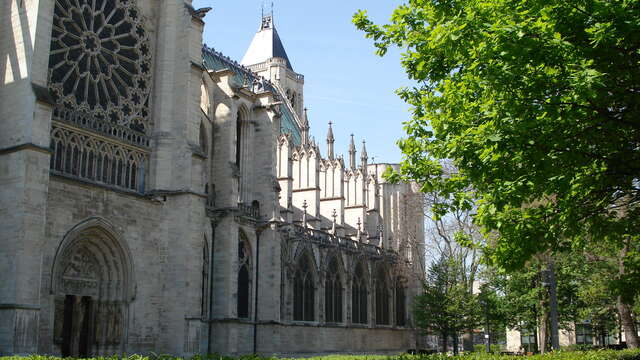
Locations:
(382, 299)
(303, 291)
(333, 293)
(100, 61)
(359, 297)
(244, 277)
(85, 157)
(291, 96)
(401, 312)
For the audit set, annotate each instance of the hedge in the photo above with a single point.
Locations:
(560, 355)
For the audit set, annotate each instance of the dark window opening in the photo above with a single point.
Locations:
(238, 138)
(205, 277)
(303, 292)
(382, 300)
(203, 138)
(359, 297)
(400, 305)
(333, 294)
(244, 278)
(243, 292)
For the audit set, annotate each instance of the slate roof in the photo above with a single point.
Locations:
(266, 44)
(244, 77)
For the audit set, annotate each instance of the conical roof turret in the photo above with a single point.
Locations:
(266, 44)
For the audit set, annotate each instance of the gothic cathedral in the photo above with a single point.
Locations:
(157, 196)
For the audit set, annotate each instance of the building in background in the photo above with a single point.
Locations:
(577, 333)
(157, 196)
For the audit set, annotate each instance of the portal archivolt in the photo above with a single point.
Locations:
(92, 286)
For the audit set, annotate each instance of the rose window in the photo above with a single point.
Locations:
(100, 61)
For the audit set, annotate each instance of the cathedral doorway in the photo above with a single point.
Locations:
(92, 289)
(77, 326)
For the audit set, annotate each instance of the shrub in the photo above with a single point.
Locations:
(559, 355)
(480, 348)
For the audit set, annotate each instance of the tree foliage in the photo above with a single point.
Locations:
(447, 306)
(537, 103)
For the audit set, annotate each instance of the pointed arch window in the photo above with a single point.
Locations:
(244, 277)
(401, 312)
(238, 138)
(81, 156)
(303, 291)
(205, 276)
(203, 138)
(382, 299)
(359, 297)
(333, 293)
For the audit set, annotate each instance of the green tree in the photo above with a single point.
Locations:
(537, 104)
(446, 307)
(454, 237)
(493, 316)
(524, 295)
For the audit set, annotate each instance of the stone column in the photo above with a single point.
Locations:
(176, 172)
(25, 116)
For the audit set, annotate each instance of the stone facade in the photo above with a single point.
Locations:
(158, 196)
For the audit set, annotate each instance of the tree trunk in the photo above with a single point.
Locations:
(467, 340)
(455, 343)
(445, 335)
(543, 316)
(628, 326)
(542, 328)
(624, 309)
(553, 306)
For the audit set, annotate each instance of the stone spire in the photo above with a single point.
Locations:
(305, 128)
(304, 214)
(330, 141)
(334, 215)
(363, 156)
(352, 154)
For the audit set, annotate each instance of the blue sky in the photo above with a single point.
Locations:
(345, 82)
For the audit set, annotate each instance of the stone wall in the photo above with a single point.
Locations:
(155, 236)
(309, 340)
(173, 245)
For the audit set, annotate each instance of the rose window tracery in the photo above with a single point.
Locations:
(100, 61)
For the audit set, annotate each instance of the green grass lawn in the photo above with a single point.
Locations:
(561, 355)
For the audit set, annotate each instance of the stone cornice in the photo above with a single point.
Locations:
(25, 146)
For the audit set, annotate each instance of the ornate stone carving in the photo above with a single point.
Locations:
(80, 275)
(100, 60)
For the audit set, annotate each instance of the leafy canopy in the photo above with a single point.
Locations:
(537, 103)
(446, 306)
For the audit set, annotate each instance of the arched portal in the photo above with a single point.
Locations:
(92, 285)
